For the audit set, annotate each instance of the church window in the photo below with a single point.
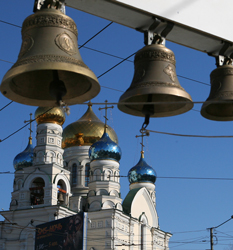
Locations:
(42, 140)
(87, 174)
(58, 142)
(61, 195)
(37, 191)
(51, 140)
(74, 173)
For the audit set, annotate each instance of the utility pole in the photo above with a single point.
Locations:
(211, 233)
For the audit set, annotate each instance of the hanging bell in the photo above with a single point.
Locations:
(219, 104)
(49, 66)
(60, 197)
(155, 81)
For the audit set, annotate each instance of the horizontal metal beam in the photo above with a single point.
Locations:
(141, 20)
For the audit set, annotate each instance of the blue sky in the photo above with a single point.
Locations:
(185, 207)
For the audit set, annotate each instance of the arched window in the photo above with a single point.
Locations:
(87, 174)
(61, 195)
(37, 191)
(74, 173)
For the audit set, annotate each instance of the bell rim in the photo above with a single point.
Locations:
(127, 95)
(213, 117)
(13, 72)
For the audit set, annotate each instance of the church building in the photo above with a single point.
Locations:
(78, 169)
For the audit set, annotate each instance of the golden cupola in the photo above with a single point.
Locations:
(86, 131)
(50, 115)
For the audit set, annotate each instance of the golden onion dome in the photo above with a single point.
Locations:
(50, 115)
(86, 131)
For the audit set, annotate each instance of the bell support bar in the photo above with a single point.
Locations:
(54, 4)
(139, 19)
(151, 35)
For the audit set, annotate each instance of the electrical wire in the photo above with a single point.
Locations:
(96, 35)
(6, 106)
(158, 177)
(10, 24)
(24, 126)
(196, 136)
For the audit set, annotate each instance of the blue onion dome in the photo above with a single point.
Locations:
(25, 158)
(105, 149)
(142, 172)
(50, 115)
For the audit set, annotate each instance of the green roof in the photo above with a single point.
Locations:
(128, 200)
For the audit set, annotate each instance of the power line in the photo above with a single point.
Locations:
(6, 106)
(24, 126)
(10, 24)
(158, 177)
(116, 65)
(96, 35)
(196, 136)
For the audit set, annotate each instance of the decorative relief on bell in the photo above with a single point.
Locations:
(50, 58)
(35, 21)
(160, 55)
(65, 43)
(26, 45)
(170, 72)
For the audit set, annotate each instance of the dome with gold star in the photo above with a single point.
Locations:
(86, 131)
(50, 115)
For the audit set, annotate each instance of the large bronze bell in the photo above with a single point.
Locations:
(49, 66)
(155, 81)
(219, 104)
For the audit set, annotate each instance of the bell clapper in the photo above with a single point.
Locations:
(65, 107)
(57, 87)
(147, 110)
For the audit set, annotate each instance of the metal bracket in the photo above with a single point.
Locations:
(222, 58)
(151, 36)
(49, 4)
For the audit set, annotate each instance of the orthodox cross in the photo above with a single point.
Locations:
(143, 132)
(30, 129)
(106, 108)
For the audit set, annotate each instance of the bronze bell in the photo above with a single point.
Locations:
(219, 104)
(49, 66)
(155, 80)
(60, 197)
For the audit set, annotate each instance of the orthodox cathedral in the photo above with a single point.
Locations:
(78, 170)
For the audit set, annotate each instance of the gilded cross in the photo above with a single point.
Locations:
(106, 108)
(143, 132)
(30, 129)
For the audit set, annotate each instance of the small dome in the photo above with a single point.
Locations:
(85, 131)
(105, 149)
(25, 158)
(50, 115)
(142, 172)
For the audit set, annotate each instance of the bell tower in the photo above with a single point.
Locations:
(104, 186)
(40, 178)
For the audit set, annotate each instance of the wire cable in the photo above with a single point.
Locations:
(158, 177)
(24, 126)
(10, 24)
(196, 136)
(6, 106)
(96, 35)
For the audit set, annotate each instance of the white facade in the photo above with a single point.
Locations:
(54, 188)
